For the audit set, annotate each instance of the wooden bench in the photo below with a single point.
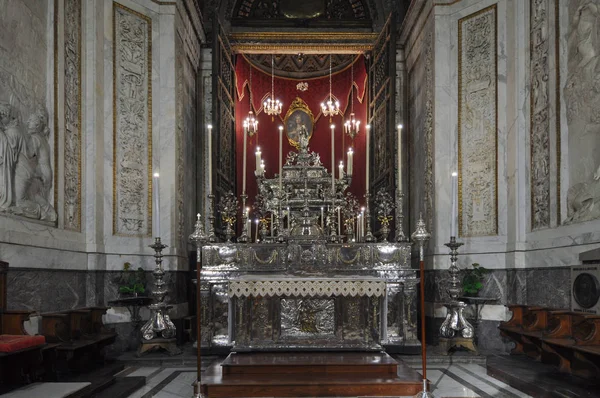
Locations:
(569, 340)
(81, 335)
(22, 356)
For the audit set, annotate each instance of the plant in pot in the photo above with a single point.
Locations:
(132, 283)
(473, 279)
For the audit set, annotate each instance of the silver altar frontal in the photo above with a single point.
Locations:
(309, 296)
(309, 284)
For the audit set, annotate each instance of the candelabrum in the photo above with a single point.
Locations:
(350, 210)
(332, 223)
(455, 322)
(369, 235)
(159, 325)
(243, 238)
(228, 205)
(384, 206)
(212, 237)
(400, 237)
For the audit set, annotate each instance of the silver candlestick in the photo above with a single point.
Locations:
(159, 328)
(212, 237)
(369, 235)
(332, 223)
(455, 323)
(400, 237)
(243, 238)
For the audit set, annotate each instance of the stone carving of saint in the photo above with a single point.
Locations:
(12, 142)
(25, 165)
(33, 176)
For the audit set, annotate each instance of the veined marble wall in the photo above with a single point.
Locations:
(121, 102)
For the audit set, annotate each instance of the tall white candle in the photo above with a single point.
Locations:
(368, 134)
(350, 161)
(333, 160)
(400, 158)
(156, 201)
(280, 157)
(272, 226)
(258, 160)
(453, 230)
(362, 222)
(209, 159)
(248, 223)
(322, 218)
(256, 236)
(341, 167)
(244, 161)
(339, 222)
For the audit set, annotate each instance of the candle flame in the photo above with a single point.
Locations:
(454, 174)
(156, 175)
(209, 126)
(400, 126)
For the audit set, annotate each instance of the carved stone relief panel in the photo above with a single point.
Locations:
(72, 115)
(132, 123)
(26, 174)
(540, 121)
(582, 99)
(477, 116)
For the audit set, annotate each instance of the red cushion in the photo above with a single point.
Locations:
(12, 343)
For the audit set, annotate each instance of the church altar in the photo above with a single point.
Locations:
(240, 310)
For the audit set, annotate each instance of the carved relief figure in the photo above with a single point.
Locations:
(582, 94)
(25, 165)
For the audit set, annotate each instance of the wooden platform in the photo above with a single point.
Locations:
(309, 374)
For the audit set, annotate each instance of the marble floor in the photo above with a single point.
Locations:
(456, 380)
(448, 381)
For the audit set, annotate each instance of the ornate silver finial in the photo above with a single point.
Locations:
(421, 236)
(198, 236)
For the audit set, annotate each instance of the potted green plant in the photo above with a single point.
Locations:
(132, 283)
(473, 279)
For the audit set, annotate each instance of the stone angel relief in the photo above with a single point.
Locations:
(25, 165)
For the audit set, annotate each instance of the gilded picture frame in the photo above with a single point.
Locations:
(298, 115)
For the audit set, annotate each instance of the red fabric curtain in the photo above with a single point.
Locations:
(286, 91)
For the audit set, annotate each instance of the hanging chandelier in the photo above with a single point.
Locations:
(272, 106)
(330, 108)
(251, 124)
(351, 127)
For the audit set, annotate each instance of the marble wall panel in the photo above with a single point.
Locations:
(23, 54)
(132, 130)
(548, 287)
(477, 113)
(46, 290)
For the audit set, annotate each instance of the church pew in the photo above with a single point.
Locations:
(21, 355)
(568, 340)
(81, 335)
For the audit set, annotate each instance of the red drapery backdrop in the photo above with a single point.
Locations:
(286, 91)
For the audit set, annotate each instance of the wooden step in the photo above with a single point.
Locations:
(309, 375)
(309, 362)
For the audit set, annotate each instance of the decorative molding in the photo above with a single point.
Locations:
(338, 42)
(429, 185)
(539, 45)
(55, 105)
(179, 140)
(72, 115)
(301, 66)
(132, 122)
(477, 124)
(557, 112)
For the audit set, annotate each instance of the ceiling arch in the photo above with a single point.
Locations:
(303, 10)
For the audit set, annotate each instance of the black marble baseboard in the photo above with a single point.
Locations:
(46, 290)
(548, 287)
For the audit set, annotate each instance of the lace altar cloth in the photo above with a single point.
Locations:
(307, 287)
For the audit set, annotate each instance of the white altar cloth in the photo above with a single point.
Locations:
(273, 285)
